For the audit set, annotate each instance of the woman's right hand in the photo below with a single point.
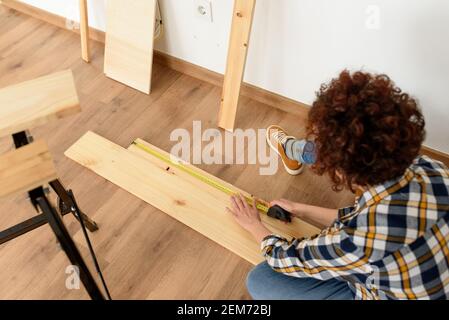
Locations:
(290, 206)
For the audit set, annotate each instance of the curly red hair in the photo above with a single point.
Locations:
(367, 131)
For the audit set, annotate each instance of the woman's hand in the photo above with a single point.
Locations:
(290, 206)
(248, 217)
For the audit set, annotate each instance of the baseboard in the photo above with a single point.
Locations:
(261, 95)
(49, 17)
(435, 154)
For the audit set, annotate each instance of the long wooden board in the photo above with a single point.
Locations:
(32, 103)
(26, 168)
(129, 42)
(84, 30)
(235, 66)
(183, 197)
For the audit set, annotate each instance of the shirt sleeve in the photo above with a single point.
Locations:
(342, 212)
(327, 255)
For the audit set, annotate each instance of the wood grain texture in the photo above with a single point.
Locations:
(297, 228)
(26, 168)
(129, 42)
(235, 66)
(175, 192)
(35, 102)
(84, 30)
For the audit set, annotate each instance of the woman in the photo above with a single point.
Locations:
(366, 134)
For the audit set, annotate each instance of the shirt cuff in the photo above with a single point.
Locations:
(270, 241)
(345, 211)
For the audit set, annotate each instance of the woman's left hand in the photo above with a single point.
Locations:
(248, 216)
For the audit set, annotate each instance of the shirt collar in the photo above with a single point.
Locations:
(381, 191)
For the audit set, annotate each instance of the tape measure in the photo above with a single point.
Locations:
(217, 185)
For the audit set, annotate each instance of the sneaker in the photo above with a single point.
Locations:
(276, 139)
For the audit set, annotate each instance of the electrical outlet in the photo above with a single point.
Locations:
(203, 10)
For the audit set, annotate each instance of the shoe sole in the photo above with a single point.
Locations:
(290, 171)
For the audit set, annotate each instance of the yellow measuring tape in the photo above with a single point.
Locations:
(211, 182)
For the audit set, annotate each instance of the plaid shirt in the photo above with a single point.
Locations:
(393, 244)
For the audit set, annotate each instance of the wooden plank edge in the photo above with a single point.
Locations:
(84, 30)
(261, 95)
(239, 39)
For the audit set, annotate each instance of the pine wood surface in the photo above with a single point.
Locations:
(26, 168)
(129, 42)
(242, 21)
(32, 103)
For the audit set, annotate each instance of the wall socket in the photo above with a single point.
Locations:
(203, 9)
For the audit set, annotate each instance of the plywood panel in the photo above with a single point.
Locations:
(32, 103)
(26, 168)
(129, 42)
(176, 193)
(238, 49)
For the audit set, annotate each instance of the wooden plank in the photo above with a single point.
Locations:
(183, 197)
(26, 168)
(84, 31)
(129, 42)
(295, 229)
(235, 68)
(35, 102)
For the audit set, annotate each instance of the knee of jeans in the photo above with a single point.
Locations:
(255, 280)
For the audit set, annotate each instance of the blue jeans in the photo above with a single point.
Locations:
(264, 283)
(301, 150)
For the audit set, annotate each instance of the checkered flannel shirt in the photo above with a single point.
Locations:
(392, 244)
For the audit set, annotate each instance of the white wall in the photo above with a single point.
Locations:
(298, 44)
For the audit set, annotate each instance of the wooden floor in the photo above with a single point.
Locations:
(144, 253)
